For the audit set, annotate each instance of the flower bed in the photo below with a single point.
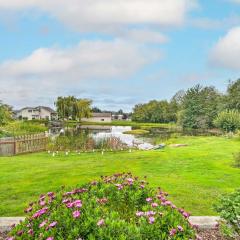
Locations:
(116, 207)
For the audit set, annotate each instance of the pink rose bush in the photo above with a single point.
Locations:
(118, 207)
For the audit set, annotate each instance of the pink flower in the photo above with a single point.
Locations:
(53, 224)
(185, 214)
(119, 186)
(172, 232)
(50, 238)
(154, 204)
(150, 213)
(10, 238)
(77, 203)
(100, 222)
(43, 224)
(180, 228)
(40, 212)
(130, 181)
(139, 214)
(50, 194)
(28, 210)
(76, 214)
(42, 203)
(151, 220)
(142, 186)
(148, 199)
(30, 232)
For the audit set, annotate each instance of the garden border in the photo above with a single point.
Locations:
(203, 222)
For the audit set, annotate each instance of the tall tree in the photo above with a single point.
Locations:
(233, 95)
(199, 108)
(5, 113)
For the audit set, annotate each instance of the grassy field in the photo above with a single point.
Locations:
(194, 176)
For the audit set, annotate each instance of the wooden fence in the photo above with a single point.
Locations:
(23, 144)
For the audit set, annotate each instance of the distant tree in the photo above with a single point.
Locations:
(96, 110)
(200, 106)
(5, 113)
(73, 108)
(233, 95)
(120, 112)
(154, 111)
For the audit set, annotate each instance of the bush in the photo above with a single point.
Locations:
(228, 121)
(119, 207)
(229, 209)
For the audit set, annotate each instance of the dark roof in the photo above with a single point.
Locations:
(101, 115)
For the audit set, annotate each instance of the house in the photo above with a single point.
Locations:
(40, 112)
(98, 117)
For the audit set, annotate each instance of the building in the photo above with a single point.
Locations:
(98, 117)
(40, 112)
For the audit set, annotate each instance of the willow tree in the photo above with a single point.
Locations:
(73, 108)
(5, 113)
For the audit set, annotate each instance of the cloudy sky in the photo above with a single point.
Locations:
(116, 52)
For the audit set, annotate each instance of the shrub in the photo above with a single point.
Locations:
(120, 207)
(229, 209)
(228, 121)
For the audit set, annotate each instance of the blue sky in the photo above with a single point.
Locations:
(119, 52)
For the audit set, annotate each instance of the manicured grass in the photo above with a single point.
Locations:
(194, 176)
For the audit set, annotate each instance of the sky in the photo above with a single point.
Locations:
(116, 52)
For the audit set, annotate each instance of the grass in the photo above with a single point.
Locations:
(136, 132)
(194, 176)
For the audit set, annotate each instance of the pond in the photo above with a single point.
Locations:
(115, 135)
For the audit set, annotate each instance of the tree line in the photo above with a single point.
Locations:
(197, 108)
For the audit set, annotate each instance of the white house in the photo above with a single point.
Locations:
(40, 112)
(98, 117)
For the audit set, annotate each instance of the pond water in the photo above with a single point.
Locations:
(103, 132)
(147, 141)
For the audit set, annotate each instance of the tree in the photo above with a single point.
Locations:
(96, 110)
(228, 121)
(73, 108)
(5, 113)
(199, 107)
(155, 112)
(233, 95)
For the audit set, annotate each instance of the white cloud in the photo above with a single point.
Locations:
(227, 50)
(87, 67)
(146, 36)
(104, 15)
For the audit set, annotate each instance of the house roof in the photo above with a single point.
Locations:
(38, 108)
(101, 115)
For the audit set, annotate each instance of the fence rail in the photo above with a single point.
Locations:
(23, 144)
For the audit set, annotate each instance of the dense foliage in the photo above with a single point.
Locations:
(155, 111)
(194, 109)
(228, 121)
(73, 108)
(83, 141)
(22, 128)
(5, 113)
(199, 107)
(117, 207)
(233, 96)
(229, 210)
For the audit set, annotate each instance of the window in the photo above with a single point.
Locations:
(29, 111)
(102, 119)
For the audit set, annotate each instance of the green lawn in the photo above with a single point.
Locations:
(194, 176)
